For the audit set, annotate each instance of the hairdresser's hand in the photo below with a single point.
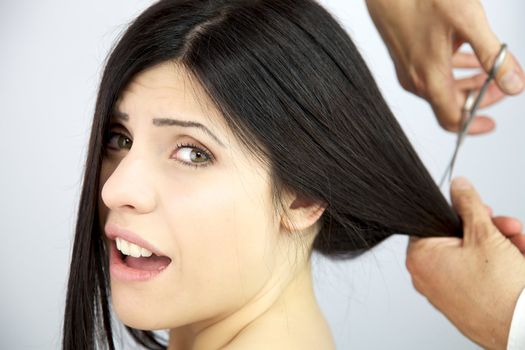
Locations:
(423, 37)
(474, 281)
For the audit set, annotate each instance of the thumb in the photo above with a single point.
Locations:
(477, 224)
(510, 77)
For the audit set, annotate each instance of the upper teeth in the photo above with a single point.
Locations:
(134, 250)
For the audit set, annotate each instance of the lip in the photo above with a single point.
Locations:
(113, 231)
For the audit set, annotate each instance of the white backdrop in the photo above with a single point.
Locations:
(51, 61)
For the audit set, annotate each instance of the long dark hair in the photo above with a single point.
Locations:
(296, 92)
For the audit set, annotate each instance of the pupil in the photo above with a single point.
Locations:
(123, 142)
(195, 155)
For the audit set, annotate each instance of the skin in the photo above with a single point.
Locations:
(475, 281)
(423, 38)
(239, 273)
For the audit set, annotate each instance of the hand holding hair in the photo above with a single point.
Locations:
(423, 38)
(474, 281)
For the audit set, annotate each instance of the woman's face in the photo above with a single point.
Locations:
(199, 199)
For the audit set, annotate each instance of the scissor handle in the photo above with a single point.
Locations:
(469, 109)
(502, 54)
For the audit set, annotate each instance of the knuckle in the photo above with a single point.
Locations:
(447, 124)
(463, 199)
(411, 79)
(478, 225)
(418, 83)
(488, 54)
(463, 203)
(405, 79)
(406, 84)
(481, 226)
(447, 116)
(487, 58)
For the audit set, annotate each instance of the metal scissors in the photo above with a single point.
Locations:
(469, 110)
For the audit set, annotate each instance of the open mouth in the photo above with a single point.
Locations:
(151, 263)
(139, 258)
(130, 268)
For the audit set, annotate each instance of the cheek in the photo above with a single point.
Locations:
(225, 236)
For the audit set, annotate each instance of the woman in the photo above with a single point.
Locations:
(230, 140)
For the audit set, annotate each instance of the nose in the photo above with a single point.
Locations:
(130, 186)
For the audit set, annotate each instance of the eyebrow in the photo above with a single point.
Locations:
(169, 122)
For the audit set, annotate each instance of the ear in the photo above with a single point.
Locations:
(302, 212)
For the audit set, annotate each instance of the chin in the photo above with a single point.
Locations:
(141, 312)
(138, 318)
(133, 311)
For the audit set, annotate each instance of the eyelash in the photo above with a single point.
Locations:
(202, 150)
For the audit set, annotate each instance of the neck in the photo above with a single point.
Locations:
(282, 299)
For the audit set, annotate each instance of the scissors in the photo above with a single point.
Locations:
(469, 110)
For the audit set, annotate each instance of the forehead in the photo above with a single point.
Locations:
(168, 89)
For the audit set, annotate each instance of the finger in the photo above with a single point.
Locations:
(477, 223)
(512, 229)
(447, 101)
(475, 82)
(508, 226)
(519, 242)
(463, 59)
(492, 95)
(445, 98)
(510, 77)
(481, 125)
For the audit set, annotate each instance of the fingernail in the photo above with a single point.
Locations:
(512, 82)
(461, 183)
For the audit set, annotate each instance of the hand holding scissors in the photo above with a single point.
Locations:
(423, 39)
(472, 103)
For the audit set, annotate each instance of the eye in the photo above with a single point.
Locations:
(194, 156)
(117, 141)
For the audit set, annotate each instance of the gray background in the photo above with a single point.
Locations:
(51, 61)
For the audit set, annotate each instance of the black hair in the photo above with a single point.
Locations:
(296, 92)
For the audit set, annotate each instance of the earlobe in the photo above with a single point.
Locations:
(302, 212)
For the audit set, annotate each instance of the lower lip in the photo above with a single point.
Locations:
(123, 272)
